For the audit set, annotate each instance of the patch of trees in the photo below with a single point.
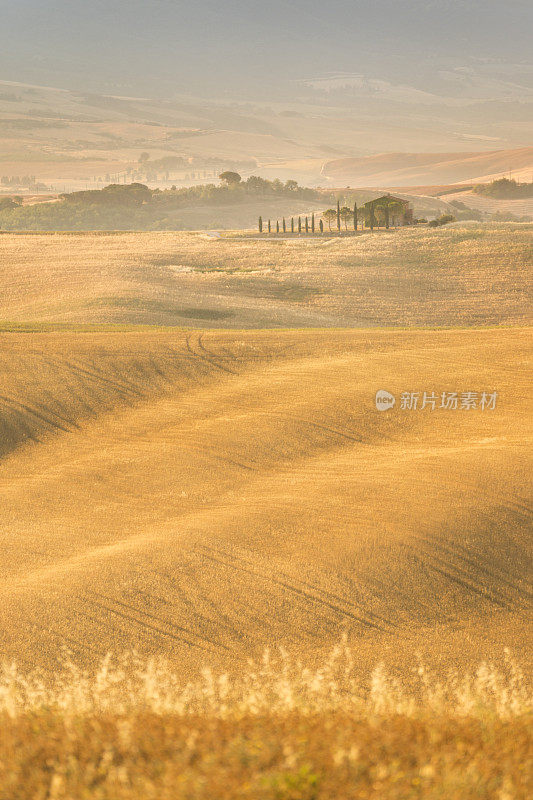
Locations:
(7, 203)
(505, 189)
(463, 212)
(19, 180)
(386, 211)
(127, 195)
(444, 219)
(136, 207)
(152, 168)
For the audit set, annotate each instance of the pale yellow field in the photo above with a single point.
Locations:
(460, 275)
(204, 495)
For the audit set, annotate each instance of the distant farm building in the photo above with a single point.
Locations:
(389, 209)
(386, 211)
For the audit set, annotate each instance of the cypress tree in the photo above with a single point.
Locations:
(284, 226)
(387, 217)
(260, 224)
(338, 216)
(277, 226)
(292, 224)
(299, 224)
(269, 226)
(313, 222)
(321, 226)
(355, 216)
(306, 225)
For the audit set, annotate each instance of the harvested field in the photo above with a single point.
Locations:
(194, 474)
(460, 275)
(204, 495)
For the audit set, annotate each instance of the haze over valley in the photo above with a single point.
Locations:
(336, 83)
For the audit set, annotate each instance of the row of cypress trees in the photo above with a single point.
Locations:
(307, 225)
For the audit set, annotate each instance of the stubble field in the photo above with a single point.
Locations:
(461, 275)
(202, 495)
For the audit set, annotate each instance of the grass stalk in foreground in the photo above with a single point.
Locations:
(277, 684)
(278, 730)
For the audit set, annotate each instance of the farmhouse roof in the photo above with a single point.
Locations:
(389, 197)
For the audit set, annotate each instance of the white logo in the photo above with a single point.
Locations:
(384, 400)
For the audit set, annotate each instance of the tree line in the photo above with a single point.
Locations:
(384, 211)
(505, 189)
(135, 206)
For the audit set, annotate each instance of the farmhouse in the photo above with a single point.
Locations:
(390, 210)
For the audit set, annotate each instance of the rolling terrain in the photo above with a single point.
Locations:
(224, 571)
(203, 495)
(71, 140)
(464, 274)
(265, 458)
(517, 207)
(404, 169)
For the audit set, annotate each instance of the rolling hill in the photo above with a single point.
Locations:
(204, 495)
(465, 274)
(518, 208)
(414, 169)
(71, 140)
(265, 485)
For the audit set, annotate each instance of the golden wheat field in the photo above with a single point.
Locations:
(205, 494)
(194, 474)
(462, 275)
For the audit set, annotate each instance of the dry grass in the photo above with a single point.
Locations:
(276, 684)
(330, 756)
(277, 731)
(462, 275)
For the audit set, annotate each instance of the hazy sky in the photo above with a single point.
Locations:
(241, 48)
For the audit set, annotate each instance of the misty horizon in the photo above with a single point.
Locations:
(249, 50)
(283, 90)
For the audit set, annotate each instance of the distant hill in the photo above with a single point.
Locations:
(412, 169)
(505, 189)
(54, 140)
(498, 209)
